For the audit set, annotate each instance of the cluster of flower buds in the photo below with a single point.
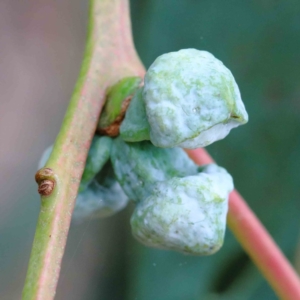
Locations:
(189, 99)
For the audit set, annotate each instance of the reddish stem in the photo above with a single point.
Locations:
(256, 241)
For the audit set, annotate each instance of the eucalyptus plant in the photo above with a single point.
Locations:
(179, 206)
(188, 99)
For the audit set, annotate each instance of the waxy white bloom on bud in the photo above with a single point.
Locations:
(185, 214)
(191, 100)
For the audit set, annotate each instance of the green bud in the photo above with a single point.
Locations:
(102, 198)
(138, 166)
(192, 100)
(135, 126)
(185, 214)
(117, 100)
(98, 155)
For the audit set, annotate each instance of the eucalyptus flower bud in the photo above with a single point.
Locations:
(118, 98)
(185, 214)
(98, 156)
(135, 126)
(102, 198)
(191, 100)
(138, 166)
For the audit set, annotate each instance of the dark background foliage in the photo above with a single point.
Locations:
(41, 48)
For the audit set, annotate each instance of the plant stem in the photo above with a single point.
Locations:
(256, 241)
(109, 56)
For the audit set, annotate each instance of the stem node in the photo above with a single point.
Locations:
(46, 181)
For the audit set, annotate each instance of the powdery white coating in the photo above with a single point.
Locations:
(191, 100)
(98, 201)
(207, 137)
(102, 198)
(135, 126)
(224, 182)
(185, 214)
(138, 166)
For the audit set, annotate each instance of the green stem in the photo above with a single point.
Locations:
(109, 57)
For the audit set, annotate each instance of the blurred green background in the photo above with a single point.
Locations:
(42, 42)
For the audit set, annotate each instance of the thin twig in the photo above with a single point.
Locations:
(109, 56)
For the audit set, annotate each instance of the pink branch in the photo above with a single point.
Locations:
(256, 241)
